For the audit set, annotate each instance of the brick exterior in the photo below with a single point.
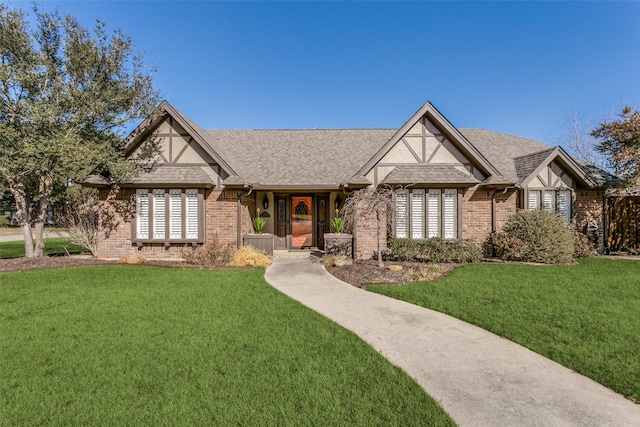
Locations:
(588, 211)
(365, 240)
(477, 212)
(117, 211)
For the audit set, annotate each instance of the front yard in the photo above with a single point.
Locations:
(585, 317)
(125, 345)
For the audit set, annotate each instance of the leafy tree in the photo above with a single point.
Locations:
(619, 141)
(67, 95)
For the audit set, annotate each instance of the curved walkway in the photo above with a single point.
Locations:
(479, 378)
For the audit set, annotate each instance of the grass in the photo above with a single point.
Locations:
(136, 345)
(53, 246)
(584, 317)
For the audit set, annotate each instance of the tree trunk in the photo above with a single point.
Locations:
(45, 183)
(22, 213)
(380, 263)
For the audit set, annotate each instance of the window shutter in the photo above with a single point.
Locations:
(402, 199)
(434, 213)
(175, 214)
(417, 214)
(564, 204)
(534, 199)
(191, 206)
(450, 214)
(549, 201)
(142, 214)
(159, 214)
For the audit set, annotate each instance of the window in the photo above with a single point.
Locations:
(168, 215)
(558, 201)
(426, 213)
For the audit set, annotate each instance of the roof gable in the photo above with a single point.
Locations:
(151, 123)
(434, 118)
(530, 165)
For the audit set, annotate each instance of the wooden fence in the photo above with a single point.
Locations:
(624, 225)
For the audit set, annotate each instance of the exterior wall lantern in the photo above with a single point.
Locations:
(337, 202)
(265, 202)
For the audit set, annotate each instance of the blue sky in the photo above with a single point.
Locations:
(516, 67)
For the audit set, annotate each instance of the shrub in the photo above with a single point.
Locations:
(433, 250)
(4, 221)
(581, 245)
(212, 254)
(248, 256)
(535, 236)
(401, 249)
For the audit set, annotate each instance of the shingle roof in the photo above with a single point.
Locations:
(525, 165)
(174, 175)
(429, 174)
(314, 157)
(501, 149)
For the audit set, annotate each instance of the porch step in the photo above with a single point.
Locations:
(299, 253)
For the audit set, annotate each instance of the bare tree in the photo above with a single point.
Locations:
(79, 217)
(370, 204)
(575, 134)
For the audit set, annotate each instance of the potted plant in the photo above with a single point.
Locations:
(259, 222)
(338, 243)
(259, 240)
(337, 222)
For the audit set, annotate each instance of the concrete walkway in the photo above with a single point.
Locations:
(479, 378)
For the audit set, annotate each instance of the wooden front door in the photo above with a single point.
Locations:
(322, 224)
(281, 221)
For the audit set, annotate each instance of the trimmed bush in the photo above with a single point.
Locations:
(248, 256)
(433, 250)
(535, 236)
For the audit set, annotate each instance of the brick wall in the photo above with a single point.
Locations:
(588, 209)
(365, 239)
(477, 212)
(117, 211)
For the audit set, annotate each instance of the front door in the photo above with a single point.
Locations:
(301, 222)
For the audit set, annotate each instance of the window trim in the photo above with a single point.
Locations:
(425, 213)
(167, 220)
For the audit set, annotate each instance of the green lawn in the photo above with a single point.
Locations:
(127, 345)
(585, 317)
(52, 246)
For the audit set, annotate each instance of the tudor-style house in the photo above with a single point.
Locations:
(195, 184)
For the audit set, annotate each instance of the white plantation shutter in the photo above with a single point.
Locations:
(434, 213)
(175, 214)
(191, 205)
(549, 202)
(158, 214)
(534, 200)
(564, 204)
(142, 214)
(450, 214)
(417, 214)
(402, 202)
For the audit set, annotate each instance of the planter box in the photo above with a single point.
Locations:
(338, 244)
(262, 242)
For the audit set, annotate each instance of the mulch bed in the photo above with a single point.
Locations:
(22, 264)
(367, 272)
